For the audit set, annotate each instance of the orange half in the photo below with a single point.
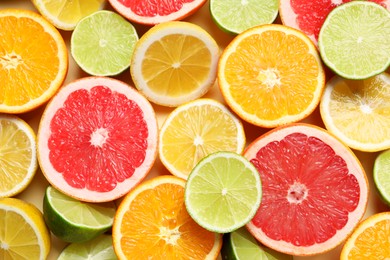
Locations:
(271, 75)
(33, 60)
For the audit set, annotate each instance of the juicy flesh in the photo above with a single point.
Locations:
(28, 61)
(157, 225)
(306, 186)
(148, 8)
(98, 139)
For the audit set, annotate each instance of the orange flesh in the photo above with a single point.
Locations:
(28, 61)
(157, 226)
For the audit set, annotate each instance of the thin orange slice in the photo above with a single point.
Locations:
(152, 223)
(271, 75)
(33, 60)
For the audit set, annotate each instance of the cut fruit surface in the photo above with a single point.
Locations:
(33, 60)
(357, 111)
(315, 190)
(351, 40)
(18, 155)
(19, 217)
(370, 240)
(381, 174)
(97, 139)
(223, 192)
(174, 62)
(65, 14)
(75, 221)
(155, 12)
(152, 222)
(271, 75)
(195, 130)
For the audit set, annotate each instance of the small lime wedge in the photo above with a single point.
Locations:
(354, 39)
(381, 174)
(223, 192)
(74, 221)
(236, 16)
(99, 248)
(241, 245)
(102, 43)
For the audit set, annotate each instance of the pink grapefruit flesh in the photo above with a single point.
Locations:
(157, 11)
(314, 190)
(97, 139)
(308, 16)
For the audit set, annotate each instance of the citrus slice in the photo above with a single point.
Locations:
(223, 192)
(33, 60)
(271, 75)
(158, 11)
(236, 16)
(315, 190)
(381, 174)
(241, 245)
(353, 40)
(23, 234)
(196, 129)
(152, 223)
(65, 14)
(102, 43)
(174, 62)
(97, 139)
(75, 221)
(18, 155)
(308, 16)
(370, 240)
(98, 248)
(357, 111)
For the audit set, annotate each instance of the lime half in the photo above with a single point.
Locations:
(99, 248)
(381, 175)
(74, 221)
(102, 43)
(354, 39)
(241, 245)
(236, 16)
(223, 192)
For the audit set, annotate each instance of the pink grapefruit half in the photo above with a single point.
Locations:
(308, 16)
(97, 139)
(315, 190)
(157, 11)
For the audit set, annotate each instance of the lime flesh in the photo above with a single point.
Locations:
(381, 174)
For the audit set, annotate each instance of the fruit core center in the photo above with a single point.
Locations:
(198, 141)
(4, 246)
(244, 2)
(176, 65)
(297, 193)
(337, 2)
(269, 77)
(359, 39)
(170, 236)
(99, 137)
(102, 42)
(366, 109)
(10, 60)
(224, 191)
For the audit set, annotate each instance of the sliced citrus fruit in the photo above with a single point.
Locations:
(196, 129)
(358, 111)
(223, 192)
(75, 221)
(65, 14)
(158, 11)
(98, 248)
(315, 190)
(97, 139)
(381, 174)
(271, 75)
(18, 155)
(174, 62)
(23, 233)
(152, 222)
(353, 39)
(308, 16)
(102, 43)
(33, 60)
(236, 16)
(370, 240)
(241, 245)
